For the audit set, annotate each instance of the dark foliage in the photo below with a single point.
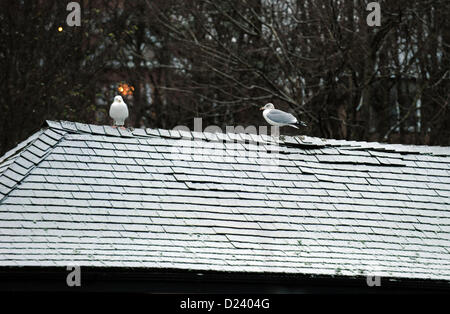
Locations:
(222, 60)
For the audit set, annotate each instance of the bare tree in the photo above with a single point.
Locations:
(221, 60)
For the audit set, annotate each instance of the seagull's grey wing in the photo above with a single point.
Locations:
(282, 117)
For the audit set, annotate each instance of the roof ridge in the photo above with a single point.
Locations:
(26, 156)
(13, 151)
(303, 141)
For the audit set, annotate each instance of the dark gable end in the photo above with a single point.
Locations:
(108, 198)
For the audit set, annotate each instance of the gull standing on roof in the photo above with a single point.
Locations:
(118, 111)
(280, 118)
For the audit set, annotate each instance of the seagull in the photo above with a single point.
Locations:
(118, 111)
(280, 118)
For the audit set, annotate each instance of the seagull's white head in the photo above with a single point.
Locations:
(267, 106)
(118, 99)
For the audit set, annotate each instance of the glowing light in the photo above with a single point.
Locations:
(60, 29)
(125, 89)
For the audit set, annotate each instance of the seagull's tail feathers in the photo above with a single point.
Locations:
(299, 124)
(293, 125)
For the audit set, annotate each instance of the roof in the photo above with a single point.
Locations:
(151, 198)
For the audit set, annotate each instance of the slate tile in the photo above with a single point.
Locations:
(68, 125)
(18, 169)
(198, 135)
(175, 134)
(49, 140)
(82, 127)
(36, 151)
(164, 133)
(153, 132)
(3, 190)
(109, 130)
(97, 129)
(41, 144)
(50, 136)
(54, 124)
(221, 137)
(232, 137)
(443, 193)
(185, 134)
(140, 132)
(125, 132)
(7, 181)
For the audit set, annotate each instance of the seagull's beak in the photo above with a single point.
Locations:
(262, 108)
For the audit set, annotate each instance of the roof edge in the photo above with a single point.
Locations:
(25, 157)
(122, 275)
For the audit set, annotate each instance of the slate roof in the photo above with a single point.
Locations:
(150, 198)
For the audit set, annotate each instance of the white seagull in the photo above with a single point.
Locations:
(118, 111)
(280, 118)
